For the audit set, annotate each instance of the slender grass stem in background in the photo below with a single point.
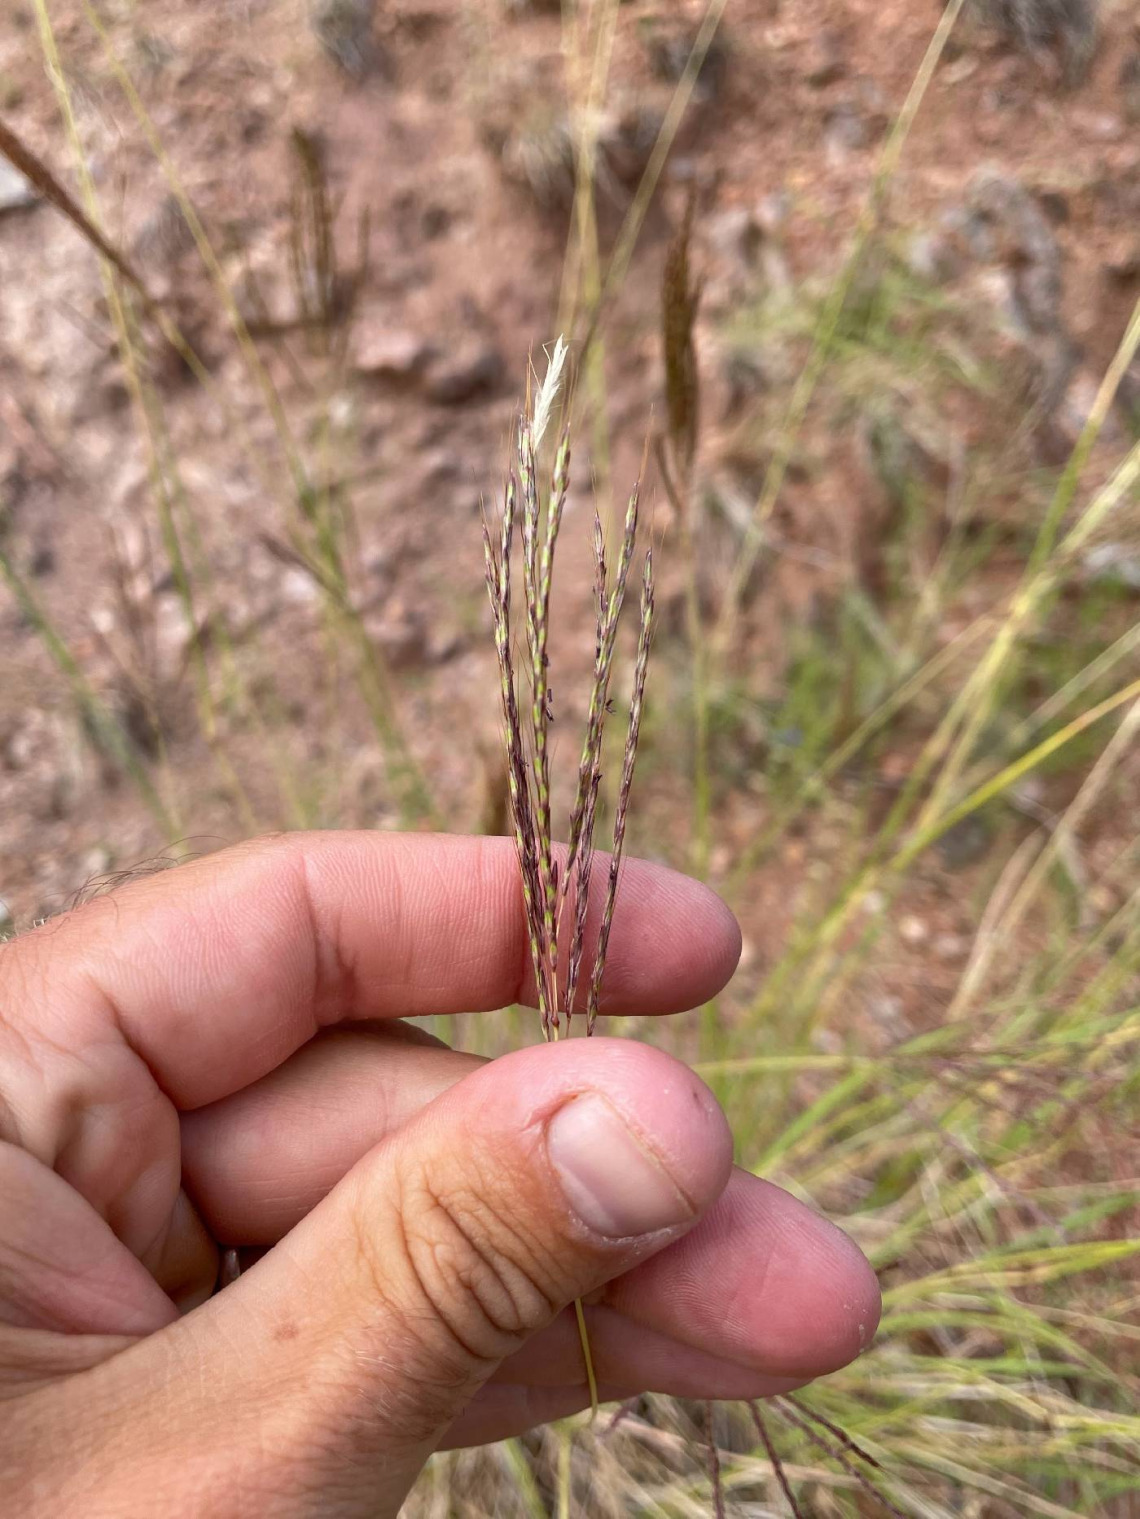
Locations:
(36, 172)
(715, 1481)
(105, 726)
(585, 29)
(346, 624)
(553, 890)
(619, 262)
(680, 302)
(550, 890)
(822, 345)
(777, 1465)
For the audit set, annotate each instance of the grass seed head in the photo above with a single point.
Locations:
(552, 898)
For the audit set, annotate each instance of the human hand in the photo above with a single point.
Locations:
(211, 1057)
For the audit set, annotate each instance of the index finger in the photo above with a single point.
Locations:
(215, 972)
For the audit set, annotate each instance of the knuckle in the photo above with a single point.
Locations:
(464, 1280)
(482, 1273)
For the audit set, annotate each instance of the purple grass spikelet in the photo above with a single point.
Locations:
(556, 899)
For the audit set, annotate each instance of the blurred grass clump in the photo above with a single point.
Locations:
(945, 730)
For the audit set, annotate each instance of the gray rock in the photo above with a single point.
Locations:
(399, 633)
(965, 843)
(344, 30)
(441, 465)
(1129, 80)
(827, 63)
(773, 210)
(1114, 563)
(166, 234)
(669, 47)
(846, 130)
(749, 251)
(930, 256)
(949, 947)
(1064, 396)
(435, 221)
(1128, 395)
(19, 750)
(384, 353)
(1019, 231)
(1123, 260)
(746, 375)
(1068, 28)
(16, 193)
(1098, 126)
(628, 139)
(444, 645)
(735, 234)
(535, 150)
(96, 862)
(466, 375)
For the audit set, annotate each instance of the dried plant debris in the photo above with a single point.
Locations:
(165, 235)
(715, 1480)
(830, 1439)
(680, 300)
(533, 136)
(535, 150)
(669, 46)
(1067, 28)
(555, 892)
(43, 182)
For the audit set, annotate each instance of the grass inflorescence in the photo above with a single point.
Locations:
(556, 890)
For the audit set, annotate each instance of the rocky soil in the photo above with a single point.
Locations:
(442, 135)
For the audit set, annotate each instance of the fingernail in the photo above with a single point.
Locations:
(612, 1182)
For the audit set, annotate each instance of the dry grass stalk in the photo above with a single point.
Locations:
(777, 1464)
(837, 1448)
(803, 1412)
(680, 302)
(715, 1479)
(37, 173)
(552, 894)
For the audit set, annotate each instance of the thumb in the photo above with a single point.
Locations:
(322, 1380)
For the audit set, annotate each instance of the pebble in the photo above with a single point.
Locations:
(913, 930)
(1129, 80)
(930, 256)
(96, 862)
(1099, 125)
(950, 946)
(887, 1012)
(845, 131)
(827, 63)
(18, 750)
(735, 234)
(1123, 260)
(384, 354)
(298, 588)
(1112, 563)
(16, 193)
(465, 377)
(965, 843)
